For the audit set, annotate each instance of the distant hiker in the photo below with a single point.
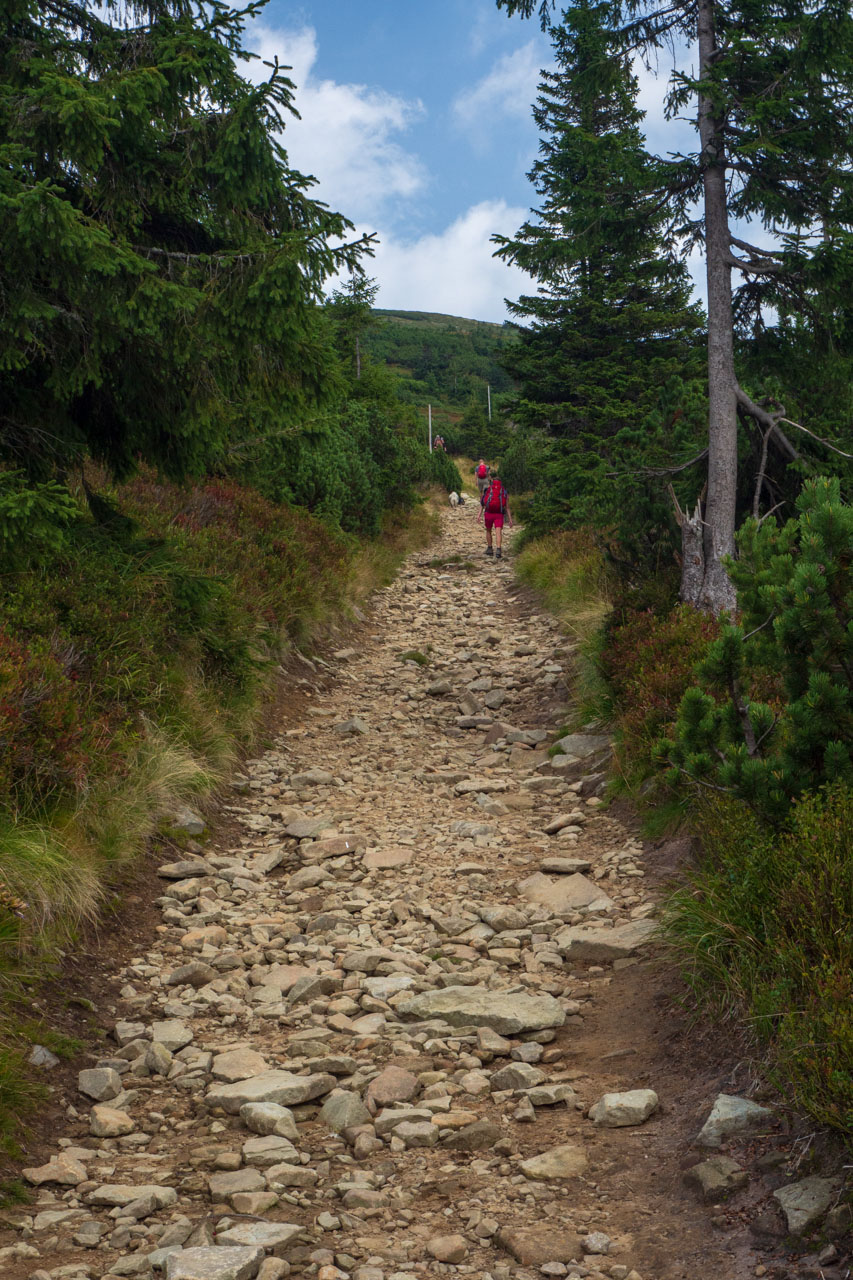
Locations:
(482, 473)
(438, 443)
(494, 505)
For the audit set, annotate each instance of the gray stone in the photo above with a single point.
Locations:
(264, 1152)
(282, 1087)
(172, 1034)
(186, 869)
(307, 828)
(355, 726)
(716, 1179)
(479, 1136)
(419, 1133)
(194, 974)
(271, 1236)
(518, 1075)
(536, 1246)
(452, 1249)
(158, 1060)
(268, 1118)
(39, 1056)
(343, 1111)
(315, 777)
(107, 1122)
(597, 1242)
(225, 1185)
(565, 1161)
(393, 1084)
(308, 877)
(621, 1110)
(386, 859)
(502, 918)
(231, 1262)
(100, 1083)
(311, 986)
(63, 1169)
(806, 1202)
(565, 866)
(112, 1194)
(595, 945)
(549, 1095)
(568, 893)
(731, 1115)
(185, 820)
(476, 1006)
(238, 1064)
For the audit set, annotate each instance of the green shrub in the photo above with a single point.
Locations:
(775, 716)
(43, 744)
(766, 933)
(648, 661)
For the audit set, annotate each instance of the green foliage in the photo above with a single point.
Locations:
(445, 359)
(608, 366)
(648, 660)
(162, 261)
(765, 932)
(796, 639)
(33, 518)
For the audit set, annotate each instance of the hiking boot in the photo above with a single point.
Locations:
(489, 551)
(498, 554)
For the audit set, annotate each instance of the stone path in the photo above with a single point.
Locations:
(348, 1049)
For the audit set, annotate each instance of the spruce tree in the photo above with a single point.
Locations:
(772, 101)
(612, 326)
(161, 261)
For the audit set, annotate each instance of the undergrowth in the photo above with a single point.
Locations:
(765, 935)
(568, 573)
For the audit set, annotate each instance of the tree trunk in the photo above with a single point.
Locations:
(357, 358)
(717, 591)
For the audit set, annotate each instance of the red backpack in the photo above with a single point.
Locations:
(495, 498)
(482, 471)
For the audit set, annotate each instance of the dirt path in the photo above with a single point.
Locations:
(352, 1030)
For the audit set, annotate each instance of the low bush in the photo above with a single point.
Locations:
(772, 717)
(648, 660)
(765, 933)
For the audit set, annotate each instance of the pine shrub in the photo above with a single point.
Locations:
(773, 718)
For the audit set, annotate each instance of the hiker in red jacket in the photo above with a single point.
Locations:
(494, 505)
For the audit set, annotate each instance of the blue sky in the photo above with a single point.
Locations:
(416, 120)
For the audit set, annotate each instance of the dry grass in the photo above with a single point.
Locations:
(569, 573)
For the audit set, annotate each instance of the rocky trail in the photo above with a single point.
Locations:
(402, 1016)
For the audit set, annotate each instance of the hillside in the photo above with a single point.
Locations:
(447, 361)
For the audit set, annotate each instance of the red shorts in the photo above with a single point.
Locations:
(495, 520)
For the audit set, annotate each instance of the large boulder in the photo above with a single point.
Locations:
(506, 1013)
(283, 1087)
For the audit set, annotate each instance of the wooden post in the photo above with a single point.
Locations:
(429, 413)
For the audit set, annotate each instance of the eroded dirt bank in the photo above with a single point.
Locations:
(354, 1046)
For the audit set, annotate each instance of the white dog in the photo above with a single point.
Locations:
(454, 499)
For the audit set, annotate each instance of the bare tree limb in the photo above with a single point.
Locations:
(752, 248)
(762, 467)
(819, 439)
(755, 268)
(766, 419)
(660, 471)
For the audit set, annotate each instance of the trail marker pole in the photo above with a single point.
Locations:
(489, 398)
(429, 411)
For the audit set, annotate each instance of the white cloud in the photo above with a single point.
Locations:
(452, 271)
(507, 91)
(346, 134)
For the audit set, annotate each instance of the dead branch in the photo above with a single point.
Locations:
(819, 439)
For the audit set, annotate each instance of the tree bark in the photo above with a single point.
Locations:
(717, 593)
